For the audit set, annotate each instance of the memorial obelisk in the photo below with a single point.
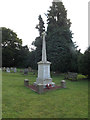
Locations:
(44, 68)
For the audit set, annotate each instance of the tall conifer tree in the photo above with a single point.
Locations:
(60, 48)
(38, 41)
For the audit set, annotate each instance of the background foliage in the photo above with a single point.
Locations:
(61, 50)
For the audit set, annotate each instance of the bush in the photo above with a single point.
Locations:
(80, 76)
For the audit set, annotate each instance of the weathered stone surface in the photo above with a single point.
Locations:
(29, 69)
(8, 70)
(11, 69)
(15, 70)
(3, 69)
(44, 68)
(26, 82)
(40, 88)
(63, 84)
(25, 71)
(71, 76)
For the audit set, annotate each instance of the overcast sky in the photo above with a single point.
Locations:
(22, 16)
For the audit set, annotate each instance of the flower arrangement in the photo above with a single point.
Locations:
(48, 86)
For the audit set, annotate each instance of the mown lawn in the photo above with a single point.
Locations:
(21, 102)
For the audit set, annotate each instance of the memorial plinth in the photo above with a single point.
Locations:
(44, 77)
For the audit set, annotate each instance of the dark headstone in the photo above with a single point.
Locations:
(71, 76)
(29, 69)
(34, 73)
(25, 71)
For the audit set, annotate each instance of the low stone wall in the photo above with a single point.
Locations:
(71, 76)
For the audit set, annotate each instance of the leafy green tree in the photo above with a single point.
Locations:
(22, 57)
(32, 60)
(13, 53)
(10, 45)
(9, 38)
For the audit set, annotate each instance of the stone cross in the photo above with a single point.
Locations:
(44, 57)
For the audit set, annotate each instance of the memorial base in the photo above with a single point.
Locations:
(44, 84)
(44, 74)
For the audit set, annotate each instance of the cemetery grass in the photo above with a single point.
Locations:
(21, 102)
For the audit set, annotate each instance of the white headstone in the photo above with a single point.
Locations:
(4, 69)
(8, 70)
(15, 70)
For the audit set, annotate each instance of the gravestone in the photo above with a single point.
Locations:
(25, 71)
(44, 77)
(3, 69)
(71, 76)
(11, 69)
(15, 70)
(8, 70)
(29, 69)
